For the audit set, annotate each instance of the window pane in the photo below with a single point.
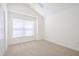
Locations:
(29, 33)
(18, 28)
(29, 28)
(17, 23)
(18, 33)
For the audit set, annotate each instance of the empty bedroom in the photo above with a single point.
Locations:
(39, 29)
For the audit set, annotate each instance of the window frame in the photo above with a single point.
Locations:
(23, 28)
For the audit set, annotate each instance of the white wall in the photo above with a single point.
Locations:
(63, 28)
(2, 47)
(23, 9)
(40, 25)
(3, 39)
(5, 10)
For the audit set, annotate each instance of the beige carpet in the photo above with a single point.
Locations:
(39, 48)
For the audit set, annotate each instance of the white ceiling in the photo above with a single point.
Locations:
(49, 9)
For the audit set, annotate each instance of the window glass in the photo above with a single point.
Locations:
(23, 28)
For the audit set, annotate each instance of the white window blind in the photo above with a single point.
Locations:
(23, 28)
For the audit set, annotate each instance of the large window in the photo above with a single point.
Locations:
(23, 27)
